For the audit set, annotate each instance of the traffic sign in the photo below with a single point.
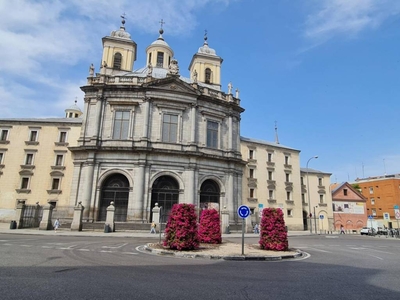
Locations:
(243, 211)
(370, 217)
(397, 214)
(396, 207)
(321, 217)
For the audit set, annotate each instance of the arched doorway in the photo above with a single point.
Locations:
(165, 192)
(115, 188)
(209, 195)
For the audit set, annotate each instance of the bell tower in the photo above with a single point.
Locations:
(119, 50)
(206, 66)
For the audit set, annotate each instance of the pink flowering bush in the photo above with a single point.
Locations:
(181, 230)
(273, 235)
(209, 229)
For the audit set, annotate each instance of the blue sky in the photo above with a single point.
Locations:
(327, 71)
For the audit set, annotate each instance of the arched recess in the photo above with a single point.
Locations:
(115, 188)
(305, 220)
(165, 192)
(117, 61)
(210, 194)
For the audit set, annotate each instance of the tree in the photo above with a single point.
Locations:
(210, 229)
(273, 235)
(181, 230)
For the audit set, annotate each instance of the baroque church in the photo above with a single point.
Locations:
(147, 136)
(152, 136)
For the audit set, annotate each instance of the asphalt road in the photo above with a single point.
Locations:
(67, 267)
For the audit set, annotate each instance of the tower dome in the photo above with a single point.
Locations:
(73, 112)
(159, 53)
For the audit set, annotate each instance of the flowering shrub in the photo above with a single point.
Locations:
(209, 229)
(181, 230)
(273, 235)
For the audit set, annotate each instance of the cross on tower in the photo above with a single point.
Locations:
(162, 23)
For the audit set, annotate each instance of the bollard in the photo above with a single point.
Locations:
(106, 228)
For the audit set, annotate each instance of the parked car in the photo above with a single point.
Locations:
(367, 231)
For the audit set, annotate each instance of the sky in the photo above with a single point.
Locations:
(326, 72)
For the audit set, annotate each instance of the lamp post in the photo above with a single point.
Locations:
(308, 193)
(315, 219)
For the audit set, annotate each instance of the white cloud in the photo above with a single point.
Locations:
(347, 17)
(42, 41)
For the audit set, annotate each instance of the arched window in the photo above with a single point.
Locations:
(208, 75)
(117, 61)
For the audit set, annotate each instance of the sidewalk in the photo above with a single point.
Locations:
(5, 228)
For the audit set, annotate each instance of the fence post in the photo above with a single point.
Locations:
(156, 216)
(78, 215)
(19, 214)
(36, 220)
(225, 221)
(110, 216)
(46, 224)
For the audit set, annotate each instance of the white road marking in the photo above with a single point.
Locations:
(67, 248)
(48, 247)
(26, 246)
(130, 253)
(106, 251)
(375, 256)
(83, 249)
(116, 246)
(6, 244)
(320, 250)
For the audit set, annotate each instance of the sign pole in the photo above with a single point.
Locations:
(243, 220)
(243, 212)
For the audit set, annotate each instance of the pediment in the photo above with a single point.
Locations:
(172, 84)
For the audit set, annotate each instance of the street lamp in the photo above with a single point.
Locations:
(308, 193)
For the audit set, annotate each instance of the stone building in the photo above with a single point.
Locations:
(152, 136)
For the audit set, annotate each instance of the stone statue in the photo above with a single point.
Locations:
(91, 70)
(173, 67)
(229, 88)
(195, 76)
(149, 69)
(104, 64)
(237, 93)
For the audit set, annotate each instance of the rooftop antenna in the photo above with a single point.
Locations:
(363, 169)
(276, 133)
(384, 166)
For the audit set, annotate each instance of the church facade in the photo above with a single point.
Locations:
(152, 136)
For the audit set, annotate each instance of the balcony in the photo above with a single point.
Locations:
(286, 166)
(290, 202)
(271, 201)
(270, 164)
(27, 167)
(323, 204)
(252, 200)
(58, 168)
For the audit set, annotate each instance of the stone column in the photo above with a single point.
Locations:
(156, 215)
(190, 187)
(193, 124)
(20, 214)
(225, 220)
(110, 216)
(88, 184)
(138, 203)
(146, 116)
(77, 220)
(230, 134)
(46, 223)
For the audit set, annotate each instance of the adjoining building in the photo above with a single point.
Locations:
(383, 196)
(349, 207)
(319, 207)
(35, 163)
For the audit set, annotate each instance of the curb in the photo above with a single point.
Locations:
(223, 257)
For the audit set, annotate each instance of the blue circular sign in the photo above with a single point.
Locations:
(243, 211)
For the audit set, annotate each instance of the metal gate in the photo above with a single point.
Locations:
(32, 215)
